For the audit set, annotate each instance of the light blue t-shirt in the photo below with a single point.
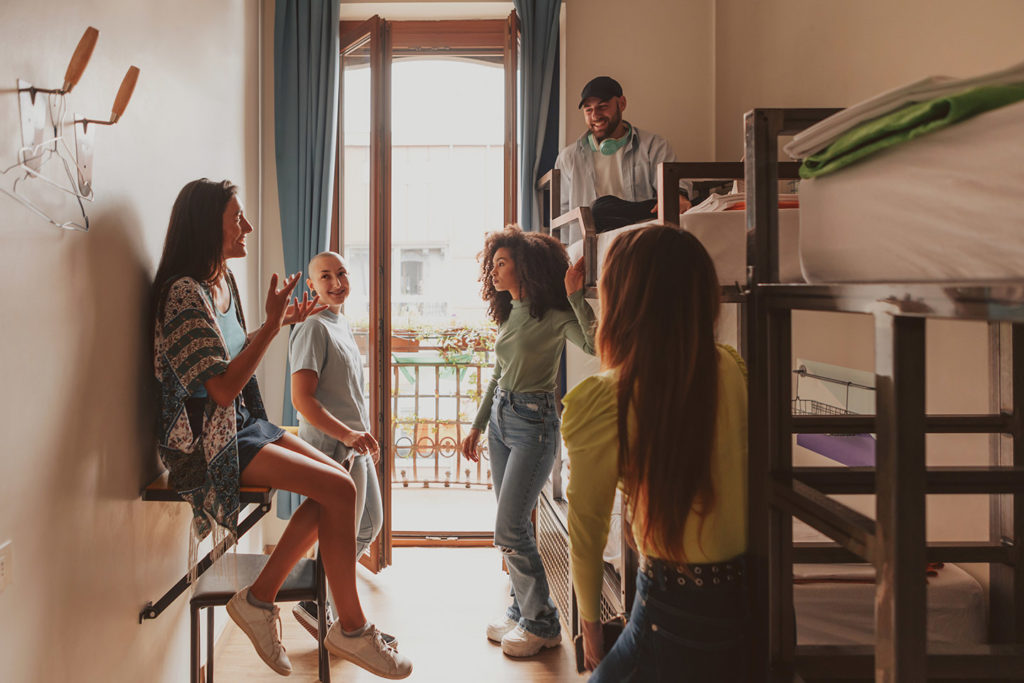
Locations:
(232, 332)
(324, 344)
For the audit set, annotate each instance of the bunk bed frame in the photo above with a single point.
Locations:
(895, 542)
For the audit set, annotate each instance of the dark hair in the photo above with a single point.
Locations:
(540, 262)
(195, 241)
(661, 298)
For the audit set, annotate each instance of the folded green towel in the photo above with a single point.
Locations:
(907, 123)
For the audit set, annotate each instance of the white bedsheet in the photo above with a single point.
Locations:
(946, 206)
(724, 235)
(836, 613)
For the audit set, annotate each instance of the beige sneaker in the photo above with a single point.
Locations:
(263, 627)
(497, 629)
(521, 643)
(368, 651)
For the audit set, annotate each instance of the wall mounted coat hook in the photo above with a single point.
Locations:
(124, 95)
(79, 60)
(84, 137)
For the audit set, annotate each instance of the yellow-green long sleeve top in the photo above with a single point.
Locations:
(527, 350)
(590, 430)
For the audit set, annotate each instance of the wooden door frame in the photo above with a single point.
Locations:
(485, 38)
(375, 30)
(511, 60)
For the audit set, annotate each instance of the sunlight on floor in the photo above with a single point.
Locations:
(437, 601)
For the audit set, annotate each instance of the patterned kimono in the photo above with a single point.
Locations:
(203, 464)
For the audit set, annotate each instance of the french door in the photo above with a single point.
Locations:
(362, 216)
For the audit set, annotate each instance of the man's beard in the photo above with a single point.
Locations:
(613, 124)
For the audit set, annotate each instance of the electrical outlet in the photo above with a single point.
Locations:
(5, 565)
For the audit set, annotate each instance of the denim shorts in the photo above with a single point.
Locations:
(253, 434)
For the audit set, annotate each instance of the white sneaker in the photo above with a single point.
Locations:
(521, 643)
(263, 626)
(496, 630)
(368, 651)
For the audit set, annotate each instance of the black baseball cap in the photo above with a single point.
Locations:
(602, 87)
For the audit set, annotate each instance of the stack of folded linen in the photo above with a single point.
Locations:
(907, 123)
(824, 133)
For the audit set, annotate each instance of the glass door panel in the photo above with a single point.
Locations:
(363, 229)
(447, 175)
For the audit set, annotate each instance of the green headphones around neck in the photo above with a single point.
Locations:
(609, 146)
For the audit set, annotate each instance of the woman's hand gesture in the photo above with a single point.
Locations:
(277, 299)
(469, 445)
(363, 442)
(298, 311)
(593, 644)
(574, 277)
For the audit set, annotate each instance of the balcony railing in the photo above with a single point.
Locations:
(435, 397)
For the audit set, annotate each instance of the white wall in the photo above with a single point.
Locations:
(662, 54)
(78, 407)
(832, 53)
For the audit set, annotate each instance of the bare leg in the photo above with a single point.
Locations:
(293, 465)
(298, 537)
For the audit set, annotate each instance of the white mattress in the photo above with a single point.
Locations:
(724, 235)
(837, 613)
(945, 206)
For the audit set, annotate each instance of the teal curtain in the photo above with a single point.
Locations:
(306, 48)
(538, 20)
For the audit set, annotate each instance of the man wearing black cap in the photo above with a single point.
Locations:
(613, 158)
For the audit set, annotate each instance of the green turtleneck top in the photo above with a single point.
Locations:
(528, 350)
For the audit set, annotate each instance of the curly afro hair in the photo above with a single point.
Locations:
(540, 262)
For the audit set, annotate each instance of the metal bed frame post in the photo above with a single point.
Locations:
(764, 522)
(900, 555)
(767, 346)
(1006, 514)
(779, 445)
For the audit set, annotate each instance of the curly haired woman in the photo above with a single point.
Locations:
(537, 301)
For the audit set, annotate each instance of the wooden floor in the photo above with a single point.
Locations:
(438, 602)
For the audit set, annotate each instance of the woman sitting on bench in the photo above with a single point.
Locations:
(214, 435)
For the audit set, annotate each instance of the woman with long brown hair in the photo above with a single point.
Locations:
(537, 301)
(214, 433)
(666, 421)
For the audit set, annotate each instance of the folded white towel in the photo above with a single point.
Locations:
(822, 134)
(722, 202)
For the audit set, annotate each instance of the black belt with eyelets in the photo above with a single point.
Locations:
(693, 575)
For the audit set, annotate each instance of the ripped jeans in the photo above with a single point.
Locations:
(523, 440)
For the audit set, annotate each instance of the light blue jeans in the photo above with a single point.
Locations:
(523, 442)
(369, 523)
